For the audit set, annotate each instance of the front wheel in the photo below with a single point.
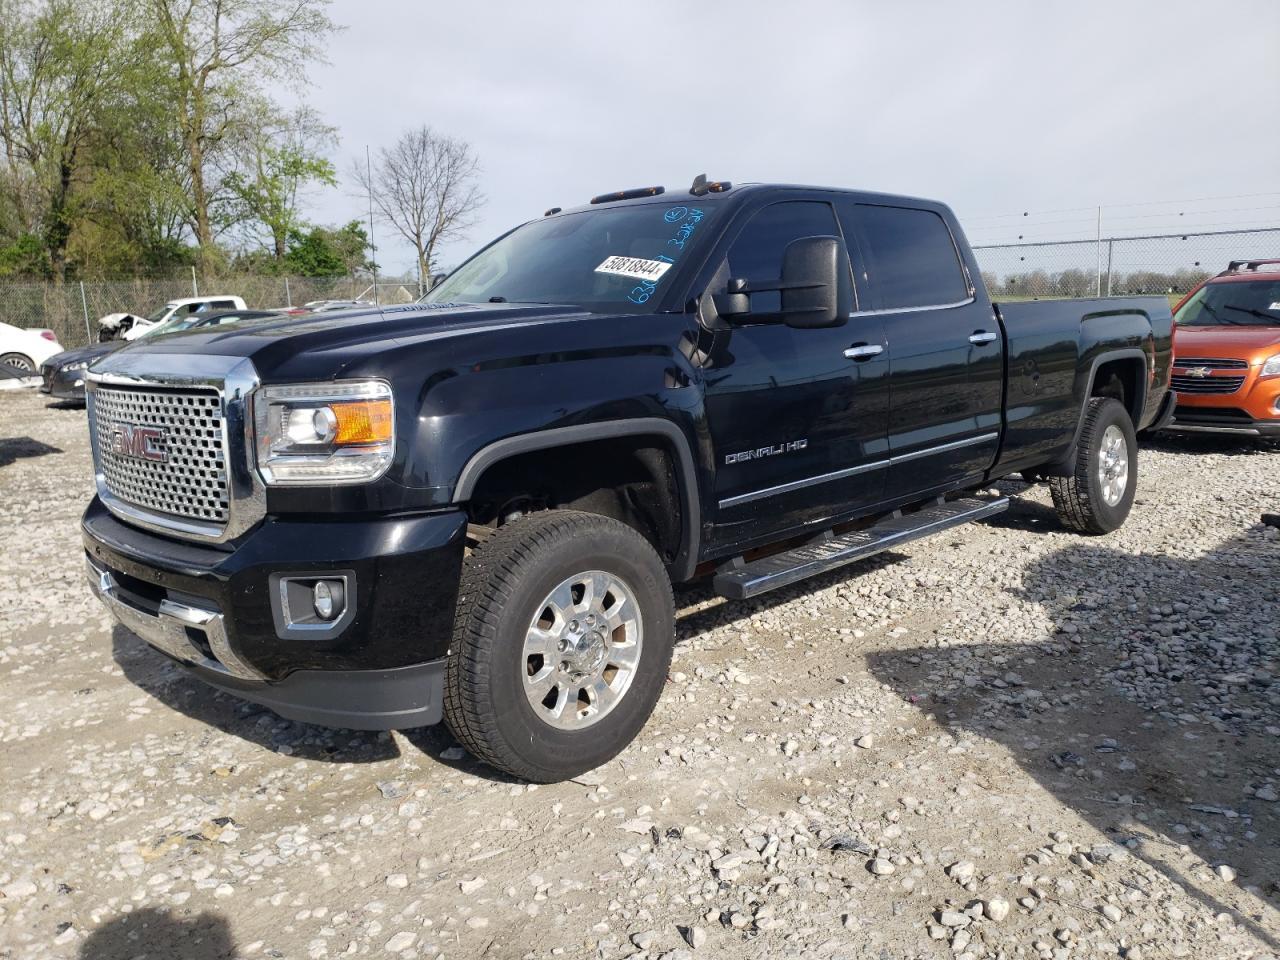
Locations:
(1098, 495)
(562, 641)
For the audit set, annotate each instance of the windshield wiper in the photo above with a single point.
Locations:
(1257, 313)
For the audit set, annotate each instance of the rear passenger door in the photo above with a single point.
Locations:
(946, 361)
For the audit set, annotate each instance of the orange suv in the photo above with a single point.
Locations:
(1226, 352)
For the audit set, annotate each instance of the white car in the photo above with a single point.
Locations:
(178, 310)
(26, 349)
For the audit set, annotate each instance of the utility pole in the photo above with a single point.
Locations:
(373, 247)
(1098, 288)
(84, 302)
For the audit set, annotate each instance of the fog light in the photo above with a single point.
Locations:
(307, 605)
(323, 599)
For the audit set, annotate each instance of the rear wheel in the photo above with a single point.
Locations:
(19, 361)
(1098, 495)
(562, 641)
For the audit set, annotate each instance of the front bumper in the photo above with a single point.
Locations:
(215, 611)
(1217, 419)
(62, 384)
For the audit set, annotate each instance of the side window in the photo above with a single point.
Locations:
(911, 258)
(223, 305)
(190, 309)
(756, 254)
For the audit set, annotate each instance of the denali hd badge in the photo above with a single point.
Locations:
(140, 443)
(791, 446)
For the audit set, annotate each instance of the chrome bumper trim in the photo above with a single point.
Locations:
(1177, 427)
(166, 630)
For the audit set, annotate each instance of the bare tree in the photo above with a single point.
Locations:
(425, 187)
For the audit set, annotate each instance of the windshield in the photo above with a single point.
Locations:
(1255, 303)
(171, 326)
(156, 315)
(606, 259)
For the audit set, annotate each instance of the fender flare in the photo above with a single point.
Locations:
(686, 558)
(1126, 353)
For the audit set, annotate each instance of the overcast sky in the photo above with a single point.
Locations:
(995, 108)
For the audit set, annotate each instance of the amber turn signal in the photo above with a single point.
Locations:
(362, 422)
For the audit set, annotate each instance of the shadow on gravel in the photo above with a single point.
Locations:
(154, 673)
(1220, 443)
(1026, 515)
(156, 933)
(1151, 727)
(23, 448)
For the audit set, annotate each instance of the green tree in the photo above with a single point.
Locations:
(326, 252)
(282, 160)
(134, 201)
(61, 66)
(218, 52)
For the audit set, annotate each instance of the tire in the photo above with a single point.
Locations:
(510, 682)
(19, 361)
(1098, 496)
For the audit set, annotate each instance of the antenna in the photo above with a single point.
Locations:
(373, 247)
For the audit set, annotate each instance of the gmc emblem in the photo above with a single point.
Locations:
(140, 443)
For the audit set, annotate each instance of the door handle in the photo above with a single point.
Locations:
(863, 351)
(982, 336)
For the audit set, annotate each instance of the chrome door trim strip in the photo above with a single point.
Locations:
(798, 484)
(932, 306)
(853, 471)
(943, 448)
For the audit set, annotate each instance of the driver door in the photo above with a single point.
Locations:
(798, 417)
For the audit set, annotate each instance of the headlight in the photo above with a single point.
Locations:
(1271, 368)
(324, 433)
(78, 365)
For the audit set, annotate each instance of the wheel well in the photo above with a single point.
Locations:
(1122, 379)
(632, 479)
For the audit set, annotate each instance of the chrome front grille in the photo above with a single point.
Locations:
(1182, 383)
(1212, 363)
(163, 450)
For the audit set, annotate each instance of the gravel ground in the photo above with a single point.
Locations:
(1003, 742)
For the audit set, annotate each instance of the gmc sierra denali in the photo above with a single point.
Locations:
(474, 508)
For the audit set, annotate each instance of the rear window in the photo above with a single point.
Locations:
(911, 259)
(1255, 303)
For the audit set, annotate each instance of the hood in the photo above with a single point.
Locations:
(89, 353)
(1254, 343)
(350, 342)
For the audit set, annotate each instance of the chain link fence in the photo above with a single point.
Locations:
(1170, 264)
(71, 310)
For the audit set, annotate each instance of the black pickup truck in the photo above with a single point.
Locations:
(474, 508)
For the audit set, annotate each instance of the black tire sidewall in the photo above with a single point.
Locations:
(1107, 516)
(28, 364)
(608, 547)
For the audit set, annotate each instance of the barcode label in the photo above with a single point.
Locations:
(634, 267)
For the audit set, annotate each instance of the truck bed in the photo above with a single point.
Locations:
(1051, 347)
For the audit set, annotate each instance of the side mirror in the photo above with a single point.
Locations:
(816, 288)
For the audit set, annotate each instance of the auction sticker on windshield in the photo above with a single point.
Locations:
(634, 267)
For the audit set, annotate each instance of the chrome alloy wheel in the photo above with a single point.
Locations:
(1113, 465)
(582, 650)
